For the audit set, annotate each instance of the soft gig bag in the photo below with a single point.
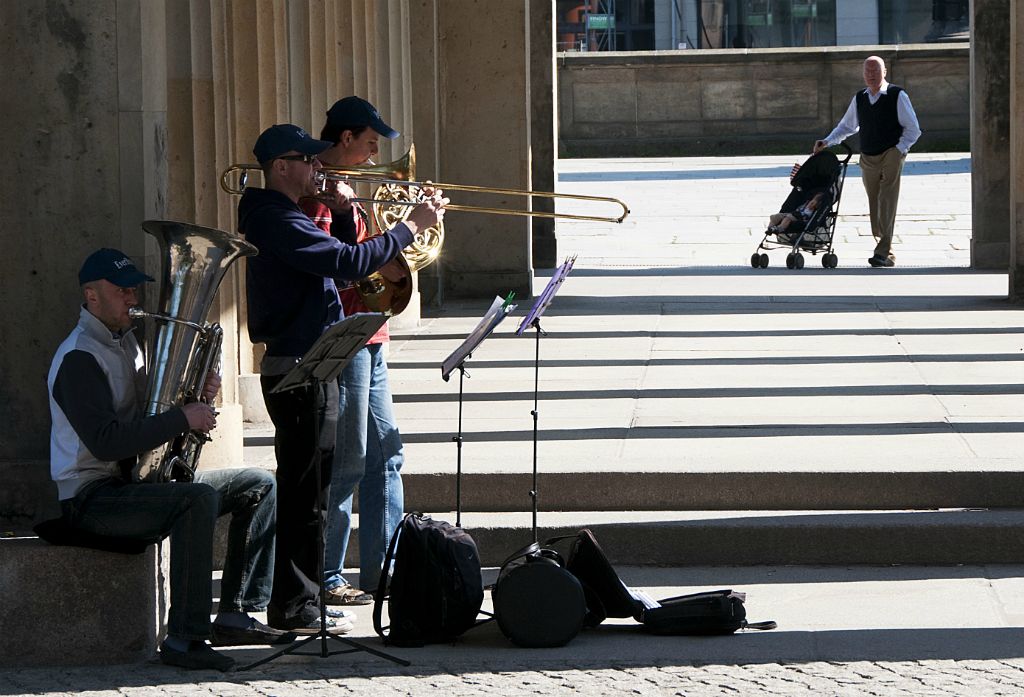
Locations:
(537, 602)
(436, 587)
(714, 612)
(705, 614)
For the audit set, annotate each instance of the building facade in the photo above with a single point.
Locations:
(643, 25)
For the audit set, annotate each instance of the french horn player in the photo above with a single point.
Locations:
(369, 446)
(292, 298)
(99, 429)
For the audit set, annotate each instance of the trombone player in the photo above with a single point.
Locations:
(292, 299)
(368, 452)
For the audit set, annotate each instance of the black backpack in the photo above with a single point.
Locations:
(436, 588)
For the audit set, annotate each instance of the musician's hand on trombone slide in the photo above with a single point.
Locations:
(429, 212)
(337, 195)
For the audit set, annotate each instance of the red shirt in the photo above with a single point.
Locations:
(351, 302)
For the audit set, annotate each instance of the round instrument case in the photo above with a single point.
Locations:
(537, 602)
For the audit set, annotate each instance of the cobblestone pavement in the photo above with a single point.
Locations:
(310, 677)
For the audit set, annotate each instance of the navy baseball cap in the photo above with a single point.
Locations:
(355, 111)
(111, 265)
(285, 137)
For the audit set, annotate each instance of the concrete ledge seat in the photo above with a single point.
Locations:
(77, 606)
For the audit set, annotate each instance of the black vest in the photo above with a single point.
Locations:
(880, 127)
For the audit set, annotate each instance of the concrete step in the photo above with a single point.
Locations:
(676, 484)
(741, 538)
(688, 491)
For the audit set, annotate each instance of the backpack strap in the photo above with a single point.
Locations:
(769, 624)
(382, 585)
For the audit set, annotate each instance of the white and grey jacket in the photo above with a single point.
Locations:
(96, 383)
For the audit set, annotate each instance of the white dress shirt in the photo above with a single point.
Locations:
(849, 124)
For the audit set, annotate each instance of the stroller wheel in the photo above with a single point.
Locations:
(798, 260)
(755, 260)
(789, 261)
(830, 261)
(763, 261)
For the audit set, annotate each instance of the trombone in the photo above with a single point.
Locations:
(369, 175)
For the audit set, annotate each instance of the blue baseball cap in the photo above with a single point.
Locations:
(355, 111)
(285, 137)
(111, 265)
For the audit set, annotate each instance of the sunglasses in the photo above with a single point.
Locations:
(308, 159)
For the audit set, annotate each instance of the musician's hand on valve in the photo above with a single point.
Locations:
(211, 387)
(430, 212)
(200, 416)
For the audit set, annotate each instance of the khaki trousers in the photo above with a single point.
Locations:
(881, 175)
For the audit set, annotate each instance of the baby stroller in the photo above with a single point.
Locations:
(813, 206)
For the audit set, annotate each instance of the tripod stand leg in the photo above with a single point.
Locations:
(352, 644)
(357, 646)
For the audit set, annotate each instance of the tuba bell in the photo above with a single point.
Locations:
(184, 348)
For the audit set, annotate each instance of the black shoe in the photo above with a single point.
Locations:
(255, 633)
(198, 656)
(881, 262)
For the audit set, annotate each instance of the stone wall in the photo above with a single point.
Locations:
(757, 101)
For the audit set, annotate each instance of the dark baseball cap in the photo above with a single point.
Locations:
(285, 137)
(356, 111)
(111, 265)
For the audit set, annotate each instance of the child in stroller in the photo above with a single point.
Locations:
(781, 222)
(806, 220)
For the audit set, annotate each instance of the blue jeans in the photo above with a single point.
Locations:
(249, 496)
(188, 512)
(368, 454)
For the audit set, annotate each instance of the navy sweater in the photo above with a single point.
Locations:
(290, 289)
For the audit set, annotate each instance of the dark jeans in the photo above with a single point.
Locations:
(305, 420)
(249, 496)
(188, 512)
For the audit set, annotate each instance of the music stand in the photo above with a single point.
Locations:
(532, 319)
(323, 363)
(498, 310)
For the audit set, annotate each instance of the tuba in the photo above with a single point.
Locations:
(184, 348)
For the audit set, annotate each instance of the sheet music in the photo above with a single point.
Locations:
(547, 295)
(333, 349)
(498, 311)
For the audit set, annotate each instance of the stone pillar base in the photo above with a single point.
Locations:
(225, 450)
(990, 256)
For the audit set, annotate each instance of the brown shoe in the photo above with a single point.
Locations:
(348, 595)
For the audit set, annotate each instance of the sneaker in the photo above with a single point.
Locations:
(304, 627)
(256, 633)
(881, 262)
(198, 656)
(348, 595)
(339, 614)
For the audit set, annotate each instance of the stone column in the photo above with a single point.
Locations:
(1017, 152)
(541, 37)
(84, 135)
(480, 70)
(990, 134)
